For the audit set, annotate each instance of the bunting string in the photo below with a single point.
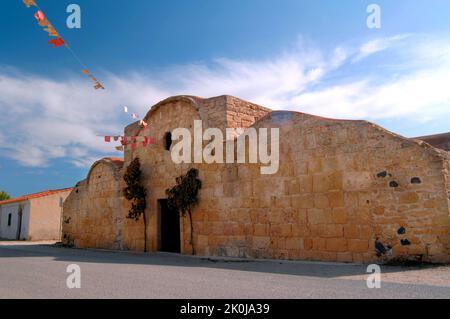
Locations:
(136, 116)
(130, 141)
(59, 41)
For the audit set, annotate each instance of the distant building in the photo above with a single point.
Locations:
(33, 217)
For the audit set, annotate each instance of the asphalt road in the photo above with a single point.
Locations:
(39, 271)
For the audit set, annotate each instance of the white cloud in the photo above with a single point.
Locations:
(420, 93)
(378, 45)
(44, 119)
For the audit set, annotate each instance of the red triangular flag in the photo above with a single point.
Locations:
(107, 139)
(145, 142)
(56, 42)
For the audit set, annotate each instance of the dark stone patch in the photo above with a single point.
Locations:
(405, 242)
(416, 180)
(380, 249)
(401, 231)
(382, 174)
(281, 117)
(393, 184)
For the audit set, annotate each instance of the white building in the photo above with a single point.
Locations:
(33, 217)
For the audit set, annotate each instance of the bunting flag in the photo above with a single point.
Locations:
(44, 23)
(48, 27)
(147, 141)
(29, 3)
(143, 123)
(132, 141)
(56, 42)
(39, 15)
(51, 31)
(97, 84)
(135, 116)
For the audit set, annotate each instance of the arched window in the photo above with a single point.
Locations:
(167, 141)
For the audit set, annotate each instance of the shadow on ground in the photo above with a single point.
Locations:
(299, 268)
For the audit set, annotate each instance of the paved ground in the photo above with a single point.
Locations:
(39, 271)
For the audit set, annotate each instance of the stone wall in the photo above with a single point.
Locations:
(94, 213)
(345, 191)
(243, 114)
(342, 186)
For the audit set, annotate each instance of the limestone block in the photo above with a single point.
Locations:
(337, 244)
(358, 245)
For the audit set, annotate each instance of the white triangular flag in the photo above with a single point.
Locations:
(125, 109)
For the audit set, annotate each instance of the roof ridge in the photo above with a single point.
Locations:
(35, 195)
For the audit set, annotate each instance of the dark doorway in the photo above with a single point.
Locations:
(170, 228)
(19, 222)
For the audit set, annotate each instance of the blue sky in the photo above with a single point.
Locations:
(312, 56)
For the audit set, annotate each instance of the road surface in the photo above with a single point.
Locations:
(30, 270)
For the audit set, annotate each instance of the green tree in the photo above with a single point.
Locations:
(184, 196)
(4, 195)
(136, 193)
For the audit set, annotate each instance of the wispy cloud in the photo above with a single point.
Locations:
(378, 45)
(44, 119)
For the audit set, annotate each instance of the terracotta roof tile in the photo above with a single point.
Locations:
(36, 195)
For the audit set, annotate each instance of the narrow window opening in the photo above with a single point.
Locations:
(167, 141)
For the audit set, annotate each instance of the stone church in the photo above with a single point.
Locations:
(345, 190)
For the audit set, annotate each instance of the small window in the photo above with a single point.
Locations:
(9, 219)
(167, 141)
